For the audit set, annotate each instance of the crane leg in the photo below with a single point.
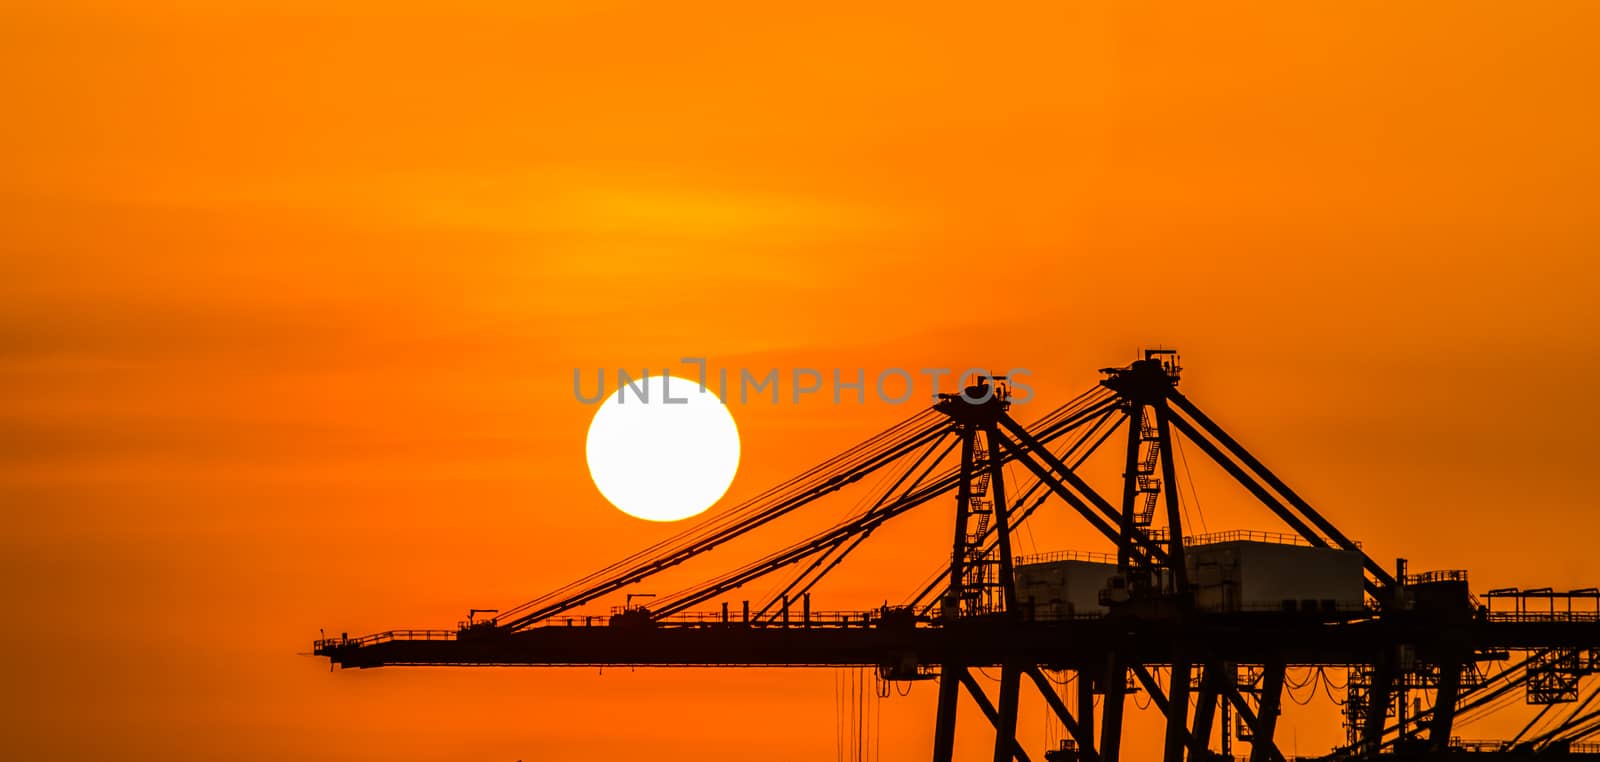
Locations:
(944, 729)
(1005, 726)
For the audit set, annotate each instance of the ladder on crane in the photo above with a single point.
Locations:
(1149, 485)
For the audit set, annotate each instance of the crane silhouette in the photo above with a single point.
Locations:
(1185, 618)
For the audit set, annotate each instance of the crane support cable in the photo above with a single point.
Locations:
(846, 469)
(800, 551)
(1090, 504)
(840, 533)
(738, 513)
(1568, 726)
(1060, 421)
(836, 554)
(817, 544)
(697, 541)
(922, 600)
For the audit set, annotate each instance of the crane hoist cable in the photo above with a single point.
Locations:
(1193, 493)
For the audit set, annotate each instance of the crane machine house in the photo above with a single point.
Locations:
(1230, 572)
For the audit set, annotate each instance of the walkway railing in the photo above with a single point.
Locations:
(384, 637)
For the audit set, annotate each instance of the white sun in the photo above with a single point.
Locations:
(663, 449)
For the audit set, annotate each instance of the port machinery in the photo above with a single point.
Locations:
(1151, 627)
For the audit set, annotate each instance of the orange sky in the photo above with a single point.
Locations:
(290, 300)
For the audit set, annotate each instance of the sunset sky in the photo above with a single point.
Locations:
(291, 297)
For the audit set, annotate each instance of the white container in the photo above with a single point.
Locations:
(1253, 576)
(1063, 585)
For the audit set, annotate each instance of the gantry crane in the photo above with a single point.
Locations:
(1161, 622)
